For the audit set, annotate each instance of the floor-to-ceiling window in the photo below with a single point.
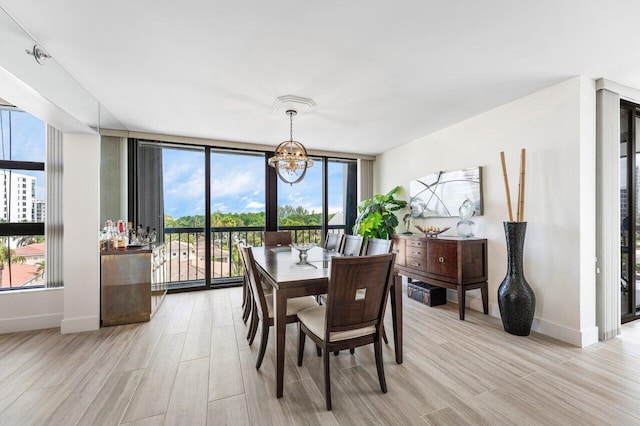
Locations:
(629, 210)
(22, 195)
(237, 208)
(201, 198)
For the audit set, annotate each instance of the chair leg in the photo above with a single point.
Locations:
(247, 306)
(352, 351)
(327, 383)
(244, 291)
(384, 336)
(301, 338)
(253, 315)
(254, 327)
(318, 350)
(336, 353)
(263, 343)
(377, 346)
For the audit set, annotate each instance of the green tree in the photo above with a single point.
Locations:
(5, 255)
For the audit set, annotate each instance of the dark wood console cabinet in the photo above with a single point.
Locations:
(452, 262)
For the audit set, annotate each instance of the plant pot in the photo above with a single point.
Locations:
(516, 298)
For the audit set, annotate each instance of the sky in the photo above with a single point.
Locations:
(237, 184)
(27, 136)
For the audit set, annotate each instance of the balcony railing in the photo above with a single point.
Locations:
(186, 251)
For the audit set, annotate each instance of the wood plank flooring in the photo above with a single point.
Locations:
(191, 365)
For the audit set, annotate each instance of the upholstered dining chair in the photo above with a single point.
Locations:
(352, 245)
(333, 241)
(262, 310)
(277, 238)
(349, 320)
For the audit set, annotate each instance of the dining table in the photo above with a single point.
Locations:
(292, 275)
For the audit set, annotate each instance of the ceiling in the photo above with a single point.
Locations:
(382, 73)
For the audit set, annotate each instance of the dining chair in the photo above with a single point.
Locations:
(246, 292)
(347, 320)
(377, 246)
(333, 241)
(352, 245)
(263, 305)
(277, 238)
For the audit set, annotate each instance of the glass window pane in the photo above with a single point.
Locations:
(237, 207)
(300, 205)
(336, 190)
(183, 174)
(22, 196)
(26, 134)
(22, 261)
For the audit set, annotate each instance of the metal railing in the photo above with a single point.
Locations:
(186, 251)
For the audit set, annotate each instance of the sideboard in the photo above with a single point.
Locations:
(451, 262)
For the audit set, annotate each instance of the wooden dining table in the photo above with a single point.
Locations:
(282, 268)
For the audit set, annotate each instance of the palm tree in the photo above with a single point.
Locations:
(7, 256)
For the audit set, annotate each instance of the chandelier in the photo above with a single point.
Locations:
(290, 159)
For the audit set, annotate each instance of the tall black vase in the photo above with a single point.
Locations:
(516, 298)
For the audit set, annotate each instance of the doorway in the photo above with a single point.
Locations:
(629, 211)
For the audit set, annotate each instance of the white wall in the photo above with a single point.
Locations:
(81, 201)
(557, 127)
(22, 310)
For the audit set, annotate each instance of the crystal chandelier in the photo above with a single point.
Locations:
(290, 159)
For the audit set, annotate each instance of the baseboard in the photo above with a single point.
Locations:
(38, 322)
(77, 325)
(548, 328)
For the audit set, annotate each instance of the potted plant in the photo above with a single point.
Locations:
(376, 218)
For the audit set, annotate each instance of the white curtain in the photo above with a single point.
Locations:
(608, 214)
(53, 222)
(365, 179)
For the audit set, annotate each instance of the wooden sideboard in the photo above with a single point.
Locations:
(452, 262)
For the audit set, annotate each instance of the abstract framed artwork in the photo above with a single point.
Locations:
(441, 194)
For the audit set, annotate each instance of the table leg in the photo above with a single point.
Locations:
(461, 302)
(396, 312)
(280, 319)
(485, 298)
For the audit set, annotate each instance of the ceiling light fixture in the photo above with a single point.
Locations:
(290, 159)
(38, 54)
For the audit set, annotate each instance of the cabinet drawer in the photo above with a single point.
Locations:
(416, 252)
(416, 263)
(442, 259)
(415, 243)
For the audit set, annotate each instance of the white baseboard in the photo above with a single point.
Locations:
(38, 322)
(77, 325)
(548, 328)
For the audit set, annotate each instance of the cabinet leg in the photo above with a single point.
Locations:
(485, 298)
(461, 302)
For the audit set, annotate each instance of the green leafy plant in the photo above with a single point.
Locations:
(376, 218)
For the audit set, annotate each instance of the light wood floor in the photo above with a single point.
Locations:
(191, 365)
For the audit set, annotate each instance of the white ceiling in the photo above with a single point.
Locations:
(382, 73)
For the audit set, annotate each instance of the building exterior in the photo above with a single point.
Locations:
(18, 197)
(40, 212)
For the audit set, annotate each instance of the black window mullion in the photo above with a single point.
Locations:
(271, 195)
(207, 217)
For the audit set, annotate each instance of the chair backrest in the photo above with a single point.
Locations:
(333, 241)
(277, 238)
(348, 308)
(377, 246)
(352, 245)
(254, 279)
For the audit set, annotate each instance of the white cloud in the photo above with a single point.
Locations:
(254, 205)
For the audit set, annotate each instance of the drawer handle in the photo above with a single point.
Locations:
(415, 263)
(441, 259)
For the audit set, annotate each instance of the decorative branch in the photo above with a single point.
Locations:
(506, 185)
(523, 155)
